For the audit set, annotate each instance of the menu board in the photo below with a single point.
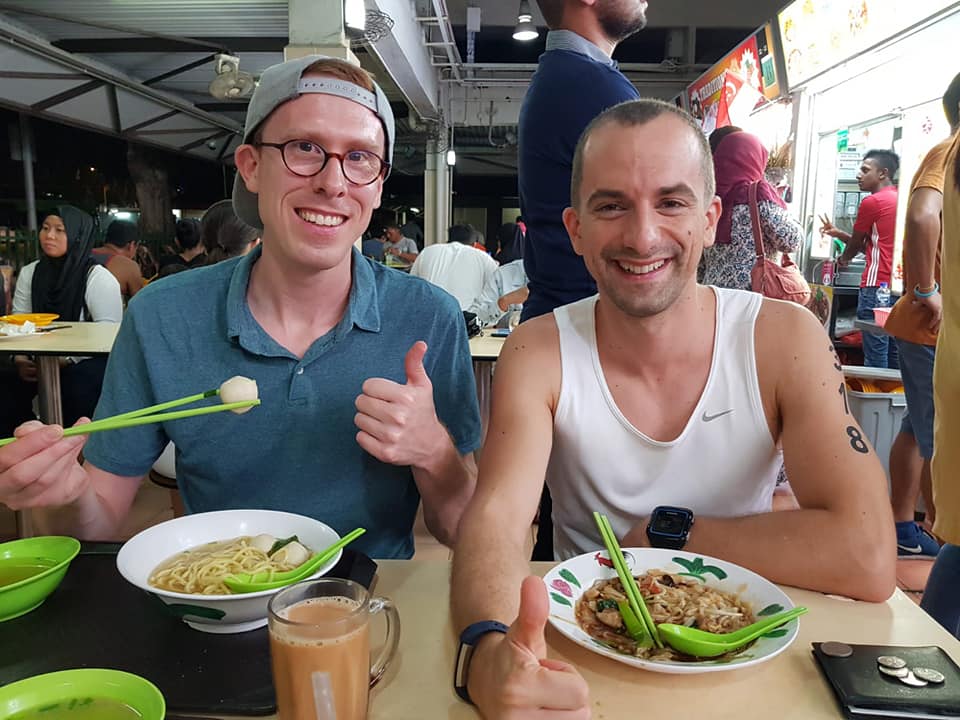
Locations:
(744, 79)
(820, 34)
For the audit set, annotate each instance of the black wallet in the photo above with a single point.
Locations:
(865, 693)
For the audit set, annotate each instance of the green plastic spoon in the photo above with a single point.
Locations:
(701, 643)
(247, 583)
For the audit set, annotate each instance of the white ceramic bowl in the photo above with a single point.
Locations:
(567, 581)
(217, 613)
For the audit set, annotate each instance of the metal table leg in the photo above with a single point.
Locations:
(51, 412)
(483, 373)
(48, 391)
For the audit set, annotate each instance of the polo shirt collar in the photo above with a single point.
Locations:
(569, 40)
(363, 307)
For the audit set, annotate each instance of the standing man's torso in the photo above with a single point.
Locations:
(574, 83)
(878, 220)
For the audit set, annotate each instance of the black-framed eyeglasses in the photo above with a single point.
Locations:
(306, 159)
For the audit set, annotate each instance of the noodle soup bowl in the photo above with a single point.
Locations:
(570, 579)
(139, 557)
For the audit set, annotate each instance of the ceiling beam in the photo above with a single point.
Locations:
(405, 58)
(150, 45)
(178, 70)
(70, 94)
(17, 75)
(113, 108)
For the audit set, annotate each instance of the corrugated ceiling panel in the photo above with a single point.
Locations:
(178, 140)
(179, 122)
(91, 108)
(30, 91)
(134, 109)
(195, 18)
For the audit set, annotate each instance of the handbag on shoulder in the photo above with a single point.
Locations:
(781, 281)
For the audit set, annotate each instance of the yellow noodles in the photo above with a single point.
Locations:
(201, 570)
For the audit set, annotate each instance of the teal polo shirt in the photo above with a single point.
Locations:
(297, 450)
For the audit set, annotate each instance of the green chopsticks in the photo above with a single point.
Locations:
(147, 415)
(634, 598)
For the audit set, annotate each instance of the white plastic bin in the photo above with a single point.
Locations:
(879, 414)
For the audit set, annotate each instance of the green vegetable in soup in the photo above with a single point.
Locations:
(281, 543)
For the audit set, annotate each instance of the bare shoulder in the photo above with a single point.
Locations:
(795, 357)
(785, 328)
(530, 358)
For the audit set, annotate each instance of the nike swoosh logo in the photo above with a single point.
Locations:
(711, 418)
(916, 550)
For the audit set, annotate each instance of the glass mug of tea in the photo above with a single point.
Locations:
(320, 649)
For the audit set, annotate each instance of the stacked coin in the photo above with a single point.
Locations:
(894, 666)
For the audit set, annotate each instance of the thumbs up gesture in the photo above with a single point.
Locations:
(397, 422)
(514, 678)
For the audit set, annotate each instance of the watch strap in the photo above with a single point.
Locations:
(468, 640)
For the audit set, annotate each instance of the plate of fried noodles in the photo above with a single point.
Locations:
(677, 587)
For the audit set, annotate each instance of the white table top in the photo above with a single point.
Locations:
(486, 347)
(79, 338)
(418, 684)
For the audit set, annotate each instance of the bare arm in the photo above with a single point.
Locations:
(490, 558)
(855, 244)
(841, 540)
(40, 471)
(923, 233)
(446, 482)
(510, 675)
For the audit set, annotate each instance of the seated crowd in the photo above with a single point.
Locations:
(369, 406)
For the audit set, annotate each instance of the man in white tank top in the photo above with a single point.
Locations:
(659, 392)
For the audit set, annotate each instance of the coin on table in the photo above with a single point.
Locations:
(891, 661)
(929, 674)
(836, 649)
(894, 672)
(912, 680)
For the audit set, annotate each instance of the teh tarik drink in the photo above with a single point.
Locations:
(315, 645)
(320, 649)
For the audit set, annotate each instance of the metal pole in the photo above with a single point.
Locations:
(26, 152)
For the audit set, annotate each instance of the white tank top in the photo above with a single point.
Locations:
(723, 464)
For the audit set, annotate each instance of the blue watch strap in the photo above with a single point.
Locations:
(929, 293)
(468, 639)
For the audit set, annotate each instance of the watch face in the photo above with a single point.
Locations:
(671, 522)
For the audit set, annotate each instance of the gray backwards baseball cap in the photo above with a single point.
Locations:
(283, 82)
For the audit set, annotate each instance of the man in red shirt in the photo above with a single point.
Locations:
(873, 235)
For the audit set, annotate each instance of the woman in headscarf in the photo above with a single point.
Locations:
(739, 162)
(66, 280)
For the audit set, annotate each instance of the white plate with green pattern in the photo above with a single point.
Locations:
(570, 579)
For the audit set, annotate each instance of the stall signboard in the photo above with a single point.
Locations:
(733, 88)
(817, 35)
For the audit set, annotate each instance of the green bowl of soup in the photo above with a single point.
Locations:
(31, 569)
(84, 694)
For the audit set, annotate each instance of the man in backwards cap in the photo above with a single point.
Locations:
(364, 374)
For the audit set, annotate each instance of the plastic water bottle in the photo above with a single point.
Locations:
(883, 296)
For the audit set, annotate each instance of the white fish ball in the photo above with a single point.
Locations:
(238, 389)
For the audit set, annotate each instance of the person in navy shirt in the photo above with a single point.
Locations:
(576, 80)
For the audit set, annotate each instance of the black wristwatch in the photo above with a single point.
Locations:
(669, 527)
(468, 641)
